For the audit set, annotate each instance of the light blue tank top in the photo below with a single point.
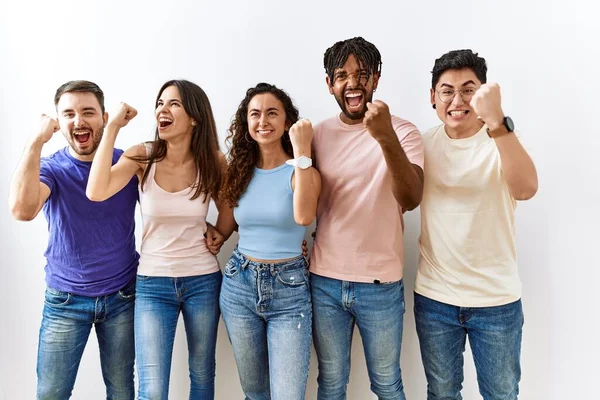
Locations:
(265, 216)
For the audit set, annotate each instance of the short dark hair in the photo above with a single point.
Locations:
(80, 86)
(365, 52)
(459, 59)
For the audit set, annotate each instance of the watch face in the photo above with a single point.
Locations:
(303, 162)
(508, 122)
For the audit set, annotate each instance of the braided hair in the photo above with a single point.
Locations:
(365, 52)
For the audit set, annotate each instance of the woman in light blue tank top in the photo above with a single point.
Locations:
(272, 191)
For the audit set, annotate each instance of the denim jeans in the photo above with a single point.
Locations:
(66, 324)
(495, 339)
(378, 311)
(267, 312)
(158, 304)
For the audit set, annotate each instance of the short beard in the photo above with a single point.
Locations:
(359, 115)
(95, 137)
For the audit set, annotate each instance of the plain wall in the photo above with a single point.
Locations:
(543, 54)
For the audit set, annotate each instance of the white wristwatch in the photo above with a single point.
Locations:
(301, 162)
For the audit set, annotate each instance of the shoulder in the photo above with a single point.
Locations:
(326, 124)
(404, 127)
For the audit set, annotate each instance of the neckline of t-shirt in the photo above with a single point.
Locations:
(467, 140)
(348, 127)
(76, 160)
(270, 171)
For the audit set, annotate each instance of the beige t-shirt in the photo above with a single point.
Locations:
(359, 222)
(468, 253)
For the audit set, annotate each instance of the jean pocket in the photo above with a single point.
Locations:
(232, 268)
(55, 298)
(128, 292)
(293, 277)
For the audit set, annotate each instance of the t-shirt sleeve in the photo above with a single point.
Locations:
(46, 174)
(411, 141)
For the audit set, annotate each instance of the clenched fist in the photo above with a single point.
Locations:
(48, 127)
(378, 120)
(122, 115)
(301, 134)
(486, 103)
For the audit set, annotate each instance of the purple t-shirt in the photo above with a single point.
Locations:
(91, 245)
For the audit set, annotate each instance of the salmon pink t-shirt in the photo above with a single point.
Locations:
(359, 222)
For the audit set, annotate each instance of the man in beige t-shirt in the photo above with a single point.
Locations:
(467, 282)
(371, 168)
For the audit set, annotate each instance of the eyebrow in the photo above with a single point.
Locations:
(268, 109)
(84, 109)
(469, 82)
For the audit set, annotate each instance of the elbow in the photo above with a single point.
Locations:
(22, 213)
(409, 203)
(304, 220)
(93, 196)
(526, 193)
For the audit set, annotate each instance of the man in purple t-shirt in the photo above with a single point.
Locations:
(91, 256)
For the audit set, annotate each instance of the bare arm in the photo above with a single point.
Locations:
(306, 183)
(106, 179)
(518, 168)
(226, 222)
(27, 194)
(407, 178)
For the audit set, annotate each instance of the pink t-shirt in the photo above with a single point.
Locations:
(359, 222)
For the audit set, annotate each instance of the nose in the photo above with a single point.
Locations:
(78, 120)
(262, 120)
(352, 80)
(457, 100)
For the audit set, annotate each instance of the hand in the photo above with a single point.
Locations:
(214, 240)
(301, 134)
(122, 115)
(378, 120)
(47, 129)
(486, 103)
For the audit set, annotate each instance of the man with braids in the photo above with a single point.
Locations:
(371, 166)
(467, 282)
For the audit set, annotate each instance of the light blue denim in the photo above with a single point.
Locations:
(378, 311)
(66, 324)
(159, 302)
(267, 311)
(495, 339)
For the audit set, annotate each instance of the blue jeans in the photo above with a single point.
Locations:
(66, 324)
(378, 311)
(158, 304)
(495, 340)
(267, 312)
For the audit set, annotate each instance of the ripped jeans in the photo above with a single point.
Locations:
(267, 311)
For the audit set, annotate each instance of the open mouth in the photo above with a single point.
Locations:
(82, 137)
(264, 132)
(164, 122)
(354, 101)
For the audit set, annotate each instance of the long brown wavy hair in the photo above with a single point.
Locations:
(244, 153)
(205, 141)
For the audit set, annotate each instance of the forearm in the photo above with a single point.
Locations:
(225, 221)
(24, 194)
(517, 167)
(306, 193)
(99, 180)
(407, 185)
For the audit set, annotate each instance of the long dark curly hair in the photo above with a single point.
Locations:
(244, 153)
(204, 145)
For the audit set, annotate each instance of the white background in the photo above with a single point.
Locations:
(543, 54)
